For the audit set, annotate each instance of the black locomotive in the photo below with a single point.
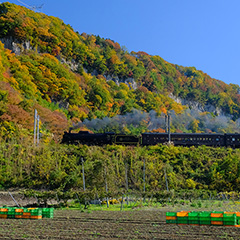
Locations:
(147, 139)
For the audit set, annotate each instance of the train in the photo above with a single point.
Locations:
(147, 139)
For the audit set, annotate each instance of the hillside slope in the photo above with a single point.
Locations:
(70, 77)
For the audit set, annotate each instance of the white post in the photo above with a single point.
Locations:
(35, 126)
(83, 174)
(38, 120)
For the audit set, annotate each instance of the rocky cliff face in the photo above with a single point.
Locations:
(197, 106)
(130, 82)
(15, 46)
(19, 47)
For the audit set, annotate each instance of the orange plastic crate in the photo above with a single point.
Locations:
(18, 216)
(3, 210)
(26, 214)
(18, 210)
(217, 215)
(36, 217)
(217, 223)
(3, 215)
(171, 218)
(183, 214)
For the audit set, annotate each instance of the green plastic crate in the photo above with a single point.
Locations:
(216, 219)
(193, 221)
(48, 212)
(11, 212)
(230, 223)
(205, 218)
(26, 210)
(171, 221)
(183, 220)
(229, 216)
(205, 222)
(36, 212)
(171, 214)
(50, 215)
(193, 216)
(204, 214)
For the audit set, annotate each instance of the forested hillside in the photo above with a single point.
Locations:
(69, 77)
(88, 82)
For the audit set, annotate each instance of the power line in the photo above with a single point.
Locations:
(34, 8)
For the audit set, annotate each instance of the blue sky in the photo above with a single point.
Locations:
(200, 33)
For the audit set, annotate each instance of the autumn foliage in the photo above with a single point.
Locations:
(69, 77)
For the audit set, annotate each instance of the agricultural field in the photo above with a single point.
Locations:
(137, 224)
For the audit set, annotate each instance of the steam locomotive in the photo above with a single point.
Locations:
(147, 139)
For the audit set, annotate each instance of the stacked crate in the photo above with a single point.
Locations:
(26, 213)
(238, 218)
(204, 218)
(11, 213)
(47, 212)
(182, 217)
(3, 212)
(18, 212)
(35, 213)
(217, 218)
(193, 218)
(171, 217)
(230, 219)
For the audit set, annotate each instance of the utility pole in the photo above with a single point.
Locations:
(166, 179)
(169, 133)
(166, 123)
(105, 171)
(36, 136)
(144, 167)
(35, 126)
(126, 177)
(38, 120)
(83, 174)
(144, 175)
